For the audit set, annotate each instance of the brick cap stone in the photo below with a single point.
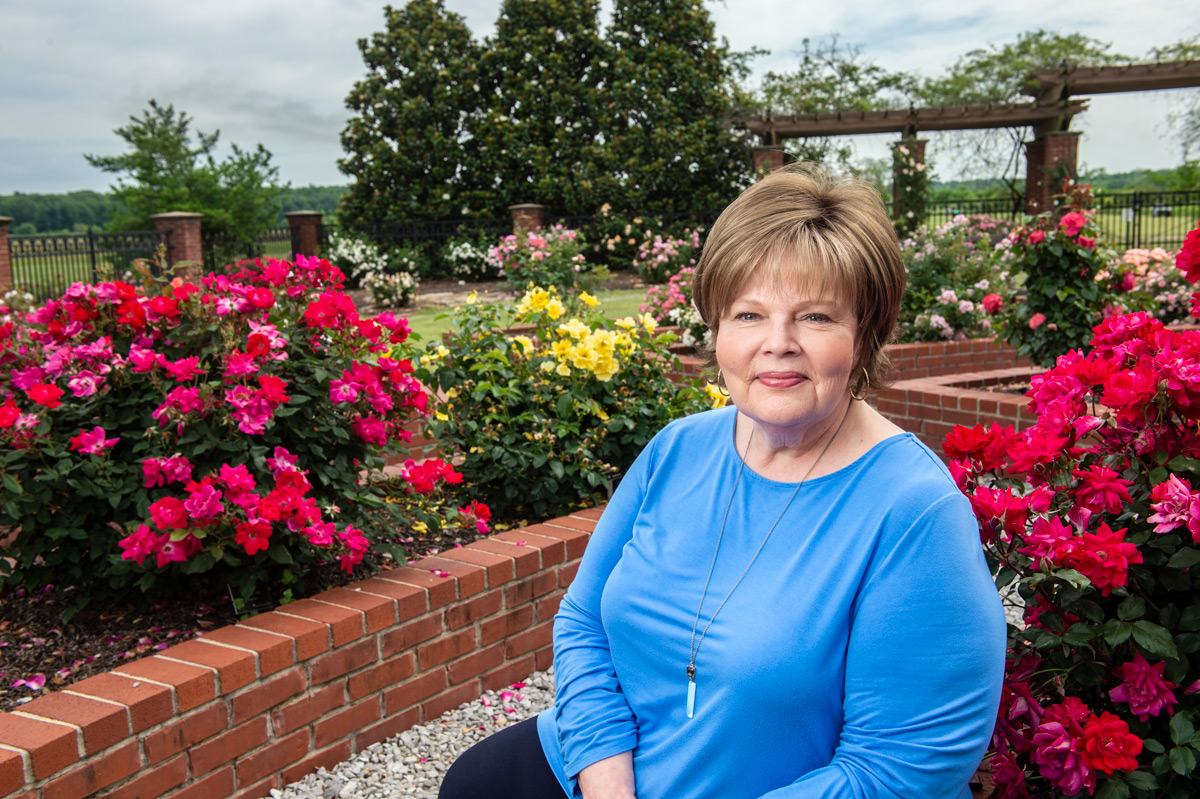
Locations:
(526, 207)
(302, 214)
(178, 215)
(4, 220)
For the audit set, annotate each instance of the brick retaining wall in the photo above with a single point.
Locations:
(255, 706)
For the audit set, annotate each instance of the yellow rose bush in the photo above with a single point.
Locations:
(546, 418)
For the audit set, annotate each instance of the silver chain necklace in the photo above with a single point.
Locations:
(694, 646)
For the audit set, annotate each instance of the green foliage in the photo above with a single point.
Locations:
(911, 191)
(404, 144)
(56, 213)
(536, 136)
(550, 257)
(545, 422)
(310, 198)
(127, 401)
(166, 171)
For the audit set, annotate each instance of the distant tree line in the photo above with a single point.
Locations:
(76, 211)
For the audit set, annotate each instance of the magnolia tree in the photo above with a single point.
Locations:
(229, 427)
(1091, 519)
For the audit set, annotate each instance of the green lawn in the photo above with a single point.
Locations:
(614, 304)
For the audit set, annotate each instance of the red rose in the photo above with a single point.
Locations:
(169, 514)
(993, 303)
(45, 394)
(261, 298)
(1189, 256)
(1108, 745)
(9, 413)
(1036, 321)
(254, 536)
(258, 345)
(1036, 237)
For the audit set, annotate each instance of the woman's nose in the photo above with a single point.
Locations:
(782, 338)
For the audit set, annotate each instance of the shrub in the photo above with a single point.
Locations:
(546, 257)
(1147, 280)
(671, 304)
(545, 422)
(1091, 518)
(614, 238)
(469, 259)
(1056, 300)
(659, 258)
(169, 435)
(389, 277)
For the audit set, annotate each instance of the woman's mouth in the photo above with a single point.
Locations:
(780, 379)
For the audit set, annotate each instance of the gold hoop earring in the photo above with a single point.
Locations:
(864, 387)
(720, 383)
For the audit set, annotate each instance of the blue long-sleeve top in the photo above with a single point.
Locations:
(861, 656)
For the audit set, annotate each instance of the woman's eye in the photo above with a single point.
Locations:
(746, 316)
(817, 317)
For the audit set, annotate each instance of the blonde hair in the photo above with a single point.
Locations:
(800, 222)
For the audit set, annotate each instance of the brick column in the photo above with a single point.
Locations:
(527, 216)
(767, 160)
(6, 274)
(1048, 158)
(184, 243)
(306, 231)
(902, 161)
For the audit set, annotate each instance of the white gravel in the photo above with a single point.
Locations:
(412, 763)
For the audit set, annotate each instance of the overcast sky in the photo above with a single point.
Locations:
(277, 71)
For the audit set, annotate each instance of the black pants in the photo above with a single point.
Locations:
(509, 764)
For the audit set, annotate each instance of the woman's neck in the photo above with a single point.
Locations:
(792, 454)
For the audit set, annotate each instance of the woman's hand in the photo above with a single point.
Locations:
(610, 778)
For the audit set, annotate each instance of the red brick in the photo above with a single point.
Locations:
(193, 685)
(378, 611)
(326, 759)
(546, 608)
(12, 771)
(445, 648)
(226, 747)
(268, 694)
(100, 772)
(274, 652)
(261, 790)
(51, 747)
(503, 626)
(539, 584)
(344, 722)
(497, 568)
(471, 578)
(388, 728)
(451, 699)
(311, 638)
(346, 624)
(306, 710)
(511, 672)
(543, 658)
(410, 600)
(529, 640)
(154, 782)
(475, 664)
(411, 634)
(467, 612)
(103, 723)
(571, 534)
(235, 669)
(441, 590)
(343, 661)
(186, 732)
(566, 574)
(214, 785)
(272, 758)
(413, 691)
(386, 674)
(526, 560)
(148, 703)
(588, 513)
(552, 547)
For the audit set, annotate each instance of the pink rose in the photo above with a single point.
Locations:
(1036, 321)
(1036, 237)
(1144, 688)
(1072, 223)
(993, 303)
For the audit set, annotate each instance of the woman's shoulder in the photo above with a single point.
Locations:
(699, 428)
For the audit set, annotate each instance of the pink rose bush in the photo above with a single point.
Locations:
(1090, 520)
(664, 255)
(552, 256)
(671, 304)
(232, 426)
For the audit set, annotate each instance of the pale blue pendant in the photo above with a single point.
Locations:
(691, 703)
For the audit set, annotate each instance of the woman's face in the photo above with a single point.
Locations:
(786, 351)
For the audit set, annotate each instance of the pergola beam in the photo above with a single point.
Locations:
(1110, 80)
(908, 120)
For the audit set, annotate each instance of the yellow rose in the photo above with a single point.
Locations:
(649, 323)
(472, 298)
(441, 417)
(560, 349)
(554, 308)
(626, 322)
(573, 328)
(562, 369)
(547, 366)
(588, 299)
(451, 393)
(525, 342)
(717, 399)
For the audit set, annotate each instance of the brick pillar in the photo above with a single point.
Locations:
(306, 231)
(767, 160)
(1048, 158)
(527, 216)
(6, 274)
(902, 161)
(184, 243)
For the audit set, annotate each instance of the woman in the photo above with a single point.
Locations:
(785, 597)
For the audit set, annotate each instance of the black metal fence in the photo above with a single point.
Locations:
(46, 265)
(429, 237)
(220, 251)
(1148, 219)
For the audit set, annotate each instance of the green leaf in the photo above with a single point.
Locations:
(1158, 475)
(1154, 639)
(1117, 632)
(556, 468)
(280, 554)
(1181, 728)
(1132, 608)
(1183, 760)
(1142, 780)
(1078, 634)
(1113, 788)
(11, 485)
(1153, 746)
(1184, 558)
